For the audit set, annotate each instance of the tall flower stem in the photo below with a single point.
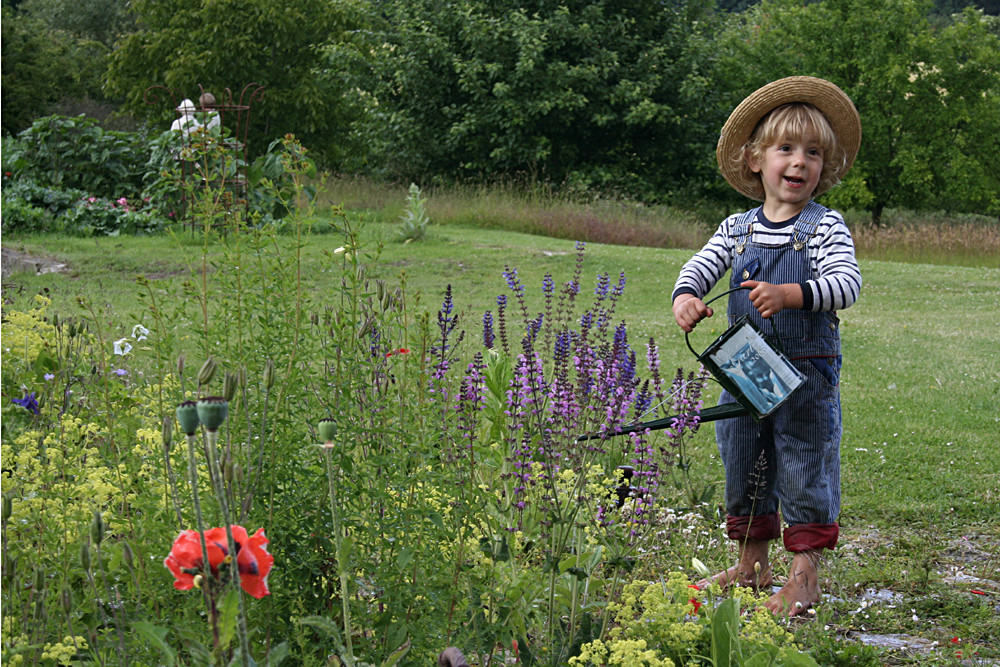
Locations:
(342, 555)
(192, 441)
(211, 441)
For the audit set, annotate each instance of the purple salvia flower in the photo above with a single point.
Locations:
(488, 336)
(501, 316)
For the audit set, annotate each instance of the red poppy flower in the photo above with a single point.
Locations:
(252, 559)
(694, 602)
(401, 350)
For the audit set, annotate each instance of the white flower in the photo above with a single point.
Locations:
(139, 332)
(339, 250)
(122, 347)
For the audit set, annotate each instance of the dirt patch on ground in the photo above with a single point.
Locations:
(14, 261)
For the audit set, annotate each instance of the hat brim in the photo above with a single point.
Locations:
(825, 96)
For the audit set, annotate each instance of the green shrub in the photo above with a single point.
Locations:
(21, 216)
(75, 153)
(95, 216)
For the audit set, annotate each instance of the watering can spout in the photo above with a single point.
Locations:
(724, 411)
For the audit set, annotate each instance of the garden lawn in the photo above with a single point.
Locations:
(920, 394)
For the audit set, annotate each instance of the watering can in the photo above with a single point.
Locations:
(757, 374)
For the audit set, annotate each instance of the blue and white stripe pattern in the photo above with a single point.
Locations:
(836, 279)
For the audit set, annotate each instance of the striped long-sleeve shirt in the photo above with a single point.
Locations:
(836, 280)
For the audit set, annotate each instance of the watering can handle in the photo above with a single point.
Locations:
(687, 335)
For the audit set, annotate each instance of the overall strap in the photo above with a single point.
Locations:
(741, 228)
(808, 221)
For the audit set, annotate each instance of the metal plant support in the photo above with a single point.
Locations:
(212, 153)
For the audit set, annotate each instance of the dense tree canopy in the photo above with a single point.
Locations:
(928, 99)
(625, 97)
(609, 93)
(182, 44)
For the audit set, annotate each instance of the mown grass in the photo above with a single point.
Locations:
(920, 388)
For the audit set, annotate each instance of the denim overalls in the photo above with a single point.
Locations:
(792, 456)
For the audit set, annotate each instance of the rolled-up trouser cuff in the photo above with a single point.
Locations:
(811, 536)
(761, 527)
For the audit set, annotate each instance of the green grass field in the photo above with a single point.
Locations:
(920, 393)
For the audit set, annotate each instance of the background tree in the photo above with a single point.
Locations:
(231, 44)
(606, 94)
(927, 99)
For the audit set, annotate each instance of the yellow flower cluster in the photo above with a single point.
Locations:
(622, 653)
(62, 653)
(25, 334)
(58, 478)
(657, 609)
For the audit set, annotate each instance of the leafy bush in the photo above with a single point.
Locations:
(55, 200)
(21, 216)
(271, 180)
(75, 153)
(95, 216)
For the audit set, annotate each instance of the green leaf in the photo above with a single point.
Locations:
(325, 626)
(156, 636)
(397, 655)
(227, 617)
(277, 655)
(725, 630)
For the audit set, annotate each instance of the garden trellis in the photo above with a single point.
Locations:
(212, 145)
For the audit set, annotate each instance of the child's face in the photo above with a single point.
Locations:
(790, 170)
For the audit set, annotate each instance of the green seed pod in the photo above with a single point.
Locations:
(243, 377)
(187, 417)
(127, 555)
(167, 433)
(39, 582)
(212, 411)
(229, 385)
(180, 364)
(72, 330)
(207, 371)
(269, 374)
(85, 555)
(66, 599)
(97, 528)
(8, 507)
(55, 320)
(327, 430)
(237, 472)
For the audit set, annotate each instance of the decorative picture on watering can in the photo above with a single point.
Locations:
(758, 376)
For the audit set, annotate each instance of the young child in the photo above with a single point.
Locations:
(786, 143)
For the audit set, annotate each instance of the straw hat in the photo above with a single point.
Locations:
(825, 96)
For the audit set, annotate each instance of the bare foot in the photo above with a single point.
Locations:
(801, 591)
(752, 570)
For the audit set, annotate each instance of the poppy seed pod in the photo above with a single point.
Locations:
(8, 508)
(207, 371)
(97, 529)
(212, 411)
(229, 385)
(187, 417)
(39, 582)
(85, 555)
(327, 430)
(167, 433)
(127, 555)
(268, 374)
(66, 598)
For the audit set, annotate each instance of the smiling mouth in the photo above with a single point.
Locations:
(794, 181)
